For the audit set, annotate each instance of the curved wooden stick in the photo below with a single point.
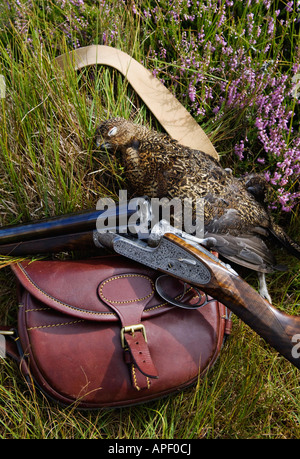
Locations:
(171, 114)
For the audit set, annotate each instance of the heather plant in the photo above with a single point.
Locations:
(235, 66)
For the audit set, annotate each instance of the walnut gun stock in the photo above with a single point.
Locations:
(196, 266)
(277, 328)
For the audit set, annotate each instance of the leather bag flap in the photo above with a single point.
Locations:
(72, 287)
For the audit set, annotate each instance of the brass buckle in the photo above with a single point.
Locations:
(132, 329)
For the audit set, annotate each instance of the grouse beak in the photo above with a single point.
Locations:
(102, 145)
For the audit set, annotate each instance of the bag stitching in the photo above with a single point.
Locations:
(122, 276)
(55, 325)
(135, 379)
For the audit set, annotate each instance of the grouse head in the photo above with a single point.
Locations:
(118, 133)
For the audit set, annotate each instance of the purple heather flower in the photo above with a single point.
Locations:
(239, 150)
(267, 3)
(271, 26)
(192, 92)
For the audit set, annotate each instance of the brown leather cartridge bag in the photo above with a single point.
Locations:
(95, 333)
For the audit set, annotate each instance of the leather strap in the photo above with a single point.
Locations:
(171, 114)
(127, 295)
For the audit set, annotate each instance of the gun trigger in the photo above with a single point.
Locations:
(173, 301)
(200, 301)
(184, 290)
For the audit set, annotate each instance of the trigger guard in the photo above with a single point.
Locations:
(173, 301)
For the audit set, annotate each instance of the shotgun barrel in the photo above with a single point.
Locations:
(74, 223)
(53, 244)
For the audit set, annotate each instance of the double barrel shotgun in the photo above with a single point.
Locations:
(172, 252)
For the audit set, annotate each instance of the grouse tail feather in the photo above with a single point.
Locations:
(286, 241)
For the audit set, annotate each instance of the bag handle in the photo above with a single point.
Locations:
(170, 113)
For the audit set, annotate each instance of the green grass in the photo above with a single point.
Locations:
(49, 166)
(250, 393)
